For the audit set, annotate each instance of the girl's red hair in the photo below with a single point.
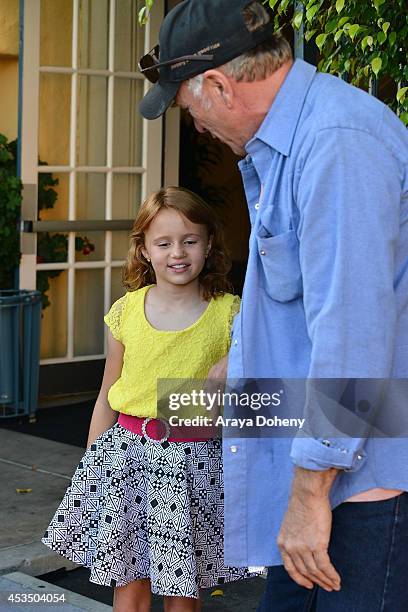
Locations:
(138, 272)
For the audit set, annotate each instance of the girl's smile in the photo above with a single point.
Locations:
(176, 248)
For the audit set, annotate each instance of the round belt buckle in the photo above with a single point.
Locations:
(146, 435)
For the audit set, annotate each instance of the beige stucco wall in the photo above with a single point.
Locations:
(8, 67)
(9, 27)
(9, 96)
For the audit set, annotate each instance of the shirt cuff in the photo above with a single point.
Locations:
(342, 453)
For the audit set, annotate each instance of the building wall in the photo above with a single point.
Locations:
(8, 67)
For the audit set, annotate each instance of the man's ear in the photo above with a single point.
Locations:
(219, 86)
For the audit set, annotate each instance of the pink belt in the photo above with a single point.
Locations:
(153, 429)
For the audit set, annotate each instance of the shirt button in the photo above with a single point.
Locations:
(263, 252)
(359, 457)
(326, 442)
(233, 449)
(257, 206)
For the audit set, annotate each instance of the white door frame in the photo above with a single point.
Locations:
(150, 170)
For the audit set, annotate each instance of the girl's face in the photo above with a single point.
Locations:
(176, 247)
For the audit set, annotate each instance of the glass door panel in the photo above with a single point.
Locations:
(93, 34)
(54, 338)
(54, 126)
(89, 308)
(79, 116)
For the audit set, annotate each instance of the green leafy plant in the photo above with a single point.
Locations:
(362, 41)
(359, 40)
(50, 247)
(10, 206)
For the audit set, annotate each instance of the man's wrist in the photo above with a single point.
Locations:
(313, 483)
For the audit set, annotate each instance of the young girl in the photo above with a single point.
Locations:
(144, 510)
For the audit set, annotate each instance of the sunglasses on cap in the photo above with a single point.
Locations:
(149, 64)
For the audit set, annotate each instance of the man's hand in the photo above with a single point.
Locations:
(305, 532)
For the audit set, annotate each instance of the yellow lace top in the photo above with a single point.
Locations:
(152, 354)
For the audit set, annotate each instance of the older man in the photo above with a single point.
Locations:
(325, 297)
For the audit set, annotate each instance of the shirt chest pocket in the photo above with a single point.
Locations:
(279, 257)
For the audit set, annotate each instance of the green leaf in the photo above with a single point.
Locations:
(378, 3)
(310, 3)
(338, 35)
(283, 5)
(404, 118)
(367, 40)
(311, 12)
(381, 37)
(401, 94)
(297, 20)
(142, 17)
(320, 40)
(385, 26)
(376, 64)
(331, 26)
(272, 3)
(309, 35)
(392, 38)
(342, 21)
(339, 5)
(353, 30)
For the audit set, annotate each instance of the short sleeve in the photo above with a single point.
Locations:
(114, 318)
(235, 306)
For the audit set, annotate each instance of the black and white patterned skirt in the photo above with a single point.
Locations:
(137, 508)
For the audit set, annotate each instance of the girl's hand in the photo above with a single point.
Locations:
(215, 383)
(219, 370)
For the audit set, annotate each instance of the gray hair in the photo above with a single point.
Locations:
(195, 85)
(256, 64)
(259, 63)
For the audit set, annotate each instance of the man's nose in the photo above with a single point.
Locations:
(199, 126)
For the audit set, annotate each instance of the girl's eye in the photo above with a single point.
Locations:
(164, 244)
(191, 241)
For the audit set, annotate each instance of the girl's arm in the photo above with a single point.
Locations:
(103, 416)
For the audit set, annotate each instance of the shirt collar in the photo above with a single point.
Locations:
(278, 128)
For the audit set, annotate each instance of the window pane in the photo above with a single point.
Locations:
(54, 124)
(93, 34)
(88, 332)
(56, 33)
(129, 37)
(127, 123)
(117, 288)
(90, 246)
(90, 195)
(126, 195)
(54, 319)
(120, 245)
(92, 118)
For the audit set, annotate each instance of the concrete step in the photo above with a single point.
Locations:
(25, 593)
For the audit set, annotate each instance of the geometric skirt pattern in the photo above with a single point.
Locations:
(137, 508)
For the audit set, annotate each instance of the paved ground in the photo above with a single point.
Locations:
(34, 473)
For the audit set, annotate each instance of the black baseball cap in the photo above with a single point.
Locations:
(210, 33)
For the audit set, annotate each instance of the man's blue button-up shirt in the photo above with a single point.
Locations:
(326, 290)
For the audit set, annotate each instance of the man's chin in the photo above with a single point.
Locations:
(238, 151)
